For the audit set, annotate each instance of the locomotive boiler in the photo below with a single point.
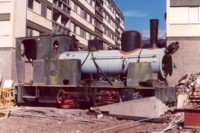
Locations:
(51, 70)
(115, 62)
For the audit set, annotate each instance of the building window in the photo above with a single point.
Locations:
(75, 29)
(72, 27)
(75, 8)
(4, 16)
(87, 35)
(90, 19)
(109, 5)
(107, 32)
(29, 32)
(112, 37)
(90, 36)
(194, 14)
(82, 33)
(91, 2)
(112, 9)
(67, 2)
(106, 17)
(109, 20)
(106, 2)
(30, 4)
(84, 14)
(43, 9)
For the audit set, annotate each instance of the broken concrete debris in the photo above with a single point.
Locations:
(99, 116)
(188, 99)
(188, 90)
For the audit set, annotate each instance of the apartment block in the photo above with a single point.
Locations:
(183, 25)
(25, 18)
(96, 19)
(85, 19)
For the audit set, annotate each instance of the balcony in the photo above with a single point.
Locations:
(99, 2)
(38, 19)
(64, 10)
(117, 33)
(117, 20)
(98, 33)
(81, 21)
(99, 11)
(100, 28)
(62, 3)
(60, 29)
(98, 17)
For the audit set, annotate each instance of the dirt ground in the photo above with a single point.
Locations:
(54, 120)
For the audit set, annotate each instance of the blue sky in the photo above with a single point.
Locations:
(137, 14)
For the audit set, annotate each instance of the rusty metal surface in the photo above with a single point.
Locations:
(20, 67)
(56, 72)
(39, 72)
(41, 47)
(105, 97)
(192, 118)
(154, 32)
(24, 72)
(138, 72)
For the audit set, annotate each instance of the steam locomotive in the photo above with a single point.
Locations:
(50, 69)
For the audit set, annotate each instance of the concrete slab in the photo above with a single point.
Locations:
(150, 107)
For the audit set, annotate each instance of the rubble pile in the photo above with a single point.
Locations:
(188, 89)
(189, 84)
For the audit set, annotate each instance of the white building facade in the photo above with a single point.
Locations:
(183, 25)
(86, 19)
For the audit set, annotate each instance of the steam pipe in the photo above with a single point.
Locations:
(154, 32)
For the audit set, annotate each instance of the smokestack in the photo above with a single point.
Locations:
(154, 32)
